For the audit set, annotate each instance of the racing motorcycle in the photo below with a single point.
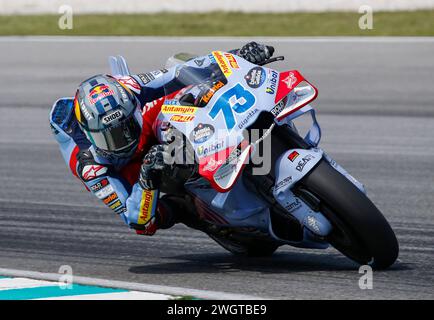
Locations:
(304, 199)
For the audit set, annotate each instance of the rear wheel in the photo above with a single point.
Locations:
(360, 231)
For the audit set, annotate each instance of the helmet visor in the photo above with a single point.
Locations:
(118, 138)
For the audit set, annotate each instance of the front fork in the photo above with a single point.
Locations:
(290, 168)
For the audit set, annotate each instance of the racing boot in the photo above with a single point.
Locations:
(174, 209)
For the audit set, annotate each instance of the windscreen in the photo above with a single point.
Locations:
(194, 82)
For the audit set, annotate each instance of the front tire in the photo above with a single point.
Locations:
(360, 231)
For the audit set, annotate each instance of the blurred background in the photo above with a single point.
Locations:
(217, 17)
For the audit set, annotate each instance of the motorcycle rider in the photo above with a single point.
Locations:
(108, 141)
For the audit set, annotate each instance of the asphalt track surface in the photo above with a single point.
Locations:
(376, 108)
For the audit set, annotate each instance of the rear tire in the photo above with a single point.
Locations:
(360, 231)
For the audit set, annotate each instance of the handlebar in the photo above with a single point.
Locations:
(279, 58)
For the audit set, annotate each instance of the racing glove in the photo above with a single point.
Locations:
(88, 169)
(256, 53)
(154, 162)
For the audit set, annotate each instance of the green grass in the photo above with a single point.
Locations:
(416, 23)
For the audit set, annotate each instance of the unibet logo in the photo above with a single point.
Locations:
(271, 89)
(203, 151)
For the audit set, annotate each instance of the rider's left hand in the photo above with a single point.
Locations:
(256, 53)
(88, 169)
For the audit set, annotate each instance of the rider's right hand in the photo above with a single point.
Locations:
(88, 169)
(256, 53)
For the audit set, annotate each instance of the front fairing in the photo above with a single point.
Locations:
(236, 92)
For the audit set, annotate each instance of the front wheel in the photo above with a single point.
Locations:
(360, 231)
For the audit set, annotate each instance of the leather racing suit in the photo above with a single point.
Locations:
(115, 181)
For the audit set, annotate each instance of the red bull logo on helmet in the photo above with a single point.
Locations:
(100, 92)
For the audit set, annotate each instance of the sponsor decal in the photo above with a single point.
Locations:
(212, 165)
(292, 206)
(230, 166)
(116, 205)
(293, 155)
(237, 99)
(158, 73)
(99, 185)
(283, 183)
(104, 192)
(304, 161)
(255, 77)
(146, 77)
(235, 154)
(85, 112)
(290, 80)
(172, 102)
(312, 223)
(211, 58)
(213, 148)
(146, 206)
(99, 92)
(232, 61)
(202, 133)
(207, 96)
(226, 156)
(131, 83)
(110, 198)
(199, 62)
(272, 82)
(181, 118)
(246, 120)
(121, 210)
(178, 109)
(279, 107)
(221, 61)
(123, 91)
(112, 117)
(224, 171)
(93, 171)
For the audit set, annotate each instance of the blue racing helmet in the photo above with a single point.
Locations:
(109, 114)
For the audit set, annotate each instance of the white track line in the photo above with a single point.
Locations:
(171, 39)
(152, 288)
(131, 295)
(22, 283)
